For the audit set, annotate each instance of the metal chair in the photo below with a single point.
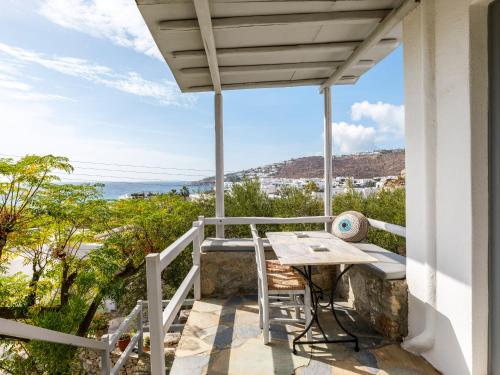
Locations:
(279, 287)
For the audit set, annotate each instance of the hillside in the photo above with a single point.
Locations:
(365, 165)
(362, 165)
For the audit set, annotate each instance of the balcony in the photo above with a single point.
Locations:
(222, 334)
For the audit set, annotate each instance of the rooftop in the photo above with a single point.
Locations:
(250, 44)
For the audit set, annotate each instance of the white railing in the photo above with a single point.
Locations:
(268, 220)
(377, 224)
(398, 230)
(162, 313)
(137, 340)
(160, 320)
(20, 330)
(105, 346)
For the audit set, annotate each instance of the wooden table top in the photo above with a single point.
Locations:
(296, 250)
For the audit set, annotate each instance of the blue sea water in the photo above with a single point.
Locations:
(117, 190)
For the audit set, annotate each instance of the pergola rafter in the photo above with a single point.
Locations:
(274, 49)
(322, 65)
(270, 84)
(389, 22)
(278, 19)
(215, 45)
(205, 26)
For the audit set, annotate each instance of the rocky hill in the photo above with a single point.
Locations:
(362, 165)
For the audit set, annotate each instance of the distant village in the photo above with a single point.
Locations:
(365, 186)
(306, 173)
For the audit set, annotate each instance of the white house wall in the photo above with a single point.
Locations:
(446, 181)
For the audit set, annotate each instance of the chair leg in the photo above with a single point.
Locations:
(265, 320)
(297, 309)
(259, 301)
(307, 311)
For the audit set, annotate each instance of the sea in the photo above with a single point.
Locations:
(121, 190)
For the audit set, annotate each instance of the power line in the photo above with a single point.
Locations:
(142, 182)
(130, 165)
(146, 172)
(117, 177)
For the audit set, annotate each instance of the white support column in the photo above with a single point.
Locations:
(106, 365)
(328, 155)
(196, 258)
(219, 164)
(155, 314)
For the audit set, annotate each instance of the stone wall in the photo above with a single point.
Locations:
(384, 303)
(225, 273)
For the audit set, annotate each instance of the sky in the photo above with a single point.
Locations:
(84, 79)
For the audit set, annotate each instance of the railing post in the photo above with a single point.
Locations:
(155, 313)
(219, 164)
(328, 156)
(140, 328)
(196, 258)
(105, 357)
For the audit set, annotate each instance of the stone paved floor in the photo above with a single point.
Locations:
(223, 337)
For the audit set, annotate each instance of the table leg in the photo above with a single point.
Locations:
(307, 273)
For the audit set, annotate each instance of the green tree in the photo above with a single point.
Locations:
(245, 199)
(385, 205)
(311, 187)
(153, 224)
(184, 192)
(20, 181)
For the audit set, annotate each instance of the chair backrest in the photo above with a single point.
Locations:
(260, 258)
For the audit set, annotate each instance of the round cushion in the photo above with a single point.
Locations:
(350, 226)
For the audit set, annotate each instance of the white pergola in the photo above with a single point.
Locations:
(216, 45)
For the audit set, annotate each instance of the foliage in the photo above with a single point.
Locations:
(311, 187)
(46, 225)
(157, 222)
(19, 184)
(385, 205)
(246, 199)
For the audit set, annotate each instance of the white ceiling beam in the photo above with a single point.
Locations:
(305, 48)
(389, 22)
(318, 65)
(268, 84)
(358, 16)
(202, 9)
(222, 2)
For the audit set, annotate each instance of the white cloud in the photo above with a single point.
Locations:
(116, 20)
(385, 131)
(350, 138)
(13, 87)
(389, 118)
(165, 92)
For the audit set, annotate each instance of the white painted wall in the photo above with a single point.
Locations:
(446, 156)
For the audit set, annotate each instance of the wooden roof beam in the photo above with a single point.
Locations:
(205, 26)
(306, 48)
(269, 84)
(358, 16)
(318, 65)
(389, 22)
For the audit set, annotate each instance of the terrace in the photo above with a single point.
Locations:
(222, 334)
(436, 299)
(216, 46)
